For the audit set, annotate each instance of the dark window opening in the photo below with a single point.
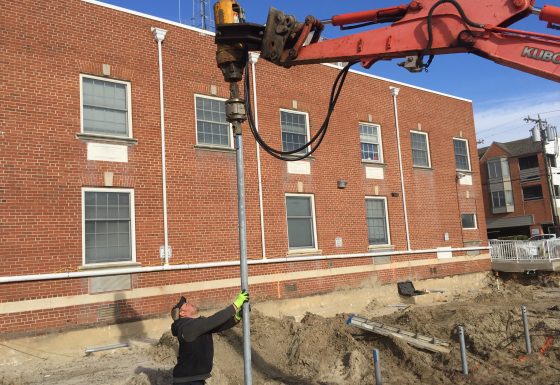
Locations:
(532, 192)
(528, 162)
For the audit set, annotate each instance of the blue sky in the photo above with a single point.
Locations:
(501, 96)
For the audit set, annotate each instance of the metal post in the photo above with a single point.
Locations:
(377, 365)
(243, 255)
(526, 328)
(463, 350)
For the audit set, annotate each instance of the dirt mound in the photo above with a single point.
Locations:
(327, 351)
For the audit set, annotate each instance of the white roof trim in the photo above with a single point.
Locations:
(210, 33)
(145, 15)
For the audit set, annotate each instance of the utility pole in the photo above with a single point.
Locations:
(546, 133)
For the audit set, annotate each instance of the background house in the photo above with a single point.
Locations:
(87, 143)
(521, 190)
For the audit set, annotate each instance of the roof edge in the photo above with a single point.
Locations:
(210, 33)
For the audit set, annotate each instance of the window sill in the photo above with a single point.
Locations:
(109, 265)
(213, 148)
(374, 163)
(464, 171)
(85, 137)
(423, 168)
(303, 252)
(381, 248)
(309, 158)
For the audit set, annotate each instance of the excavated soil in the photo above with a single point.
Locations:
(326, 351)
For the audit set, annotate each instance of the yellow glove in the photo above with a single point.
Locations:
(241, 299)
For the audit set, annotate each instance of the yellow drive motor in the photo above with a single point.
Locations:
(227, 12)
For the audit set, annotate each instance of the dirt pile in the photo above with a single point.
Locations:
(327, 351)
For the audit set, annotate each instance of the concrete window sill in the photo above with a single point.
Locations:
(85, 137)
(303, 252)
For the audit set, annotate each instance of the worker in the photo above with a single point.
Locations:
(196, 348)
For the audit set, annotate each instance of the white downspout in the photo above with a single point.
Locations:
(395, 93)
(253, 58)
(159, 35)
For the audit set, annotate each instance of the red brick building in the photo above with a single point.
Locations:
(85, 147)
(521, 190)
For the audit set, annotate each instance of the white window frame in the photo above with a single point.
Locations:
(380, 144)
(316, 241)
(132, 226)
(308, 132)
(128, 105)
(230, 131)
(386, 222)
(474, 219)
(427, 148)
(468, 154)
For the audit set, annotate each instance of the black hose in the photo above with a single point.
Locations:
(316, 139)
(430, 27)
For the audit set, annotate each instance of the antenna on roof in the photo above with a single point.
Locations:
(180, 21)
(203, 13)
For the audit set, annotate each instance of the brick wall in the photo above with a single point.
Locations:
(43, 166)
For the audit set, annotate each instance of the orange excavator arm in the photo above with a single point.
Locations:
(418, 31)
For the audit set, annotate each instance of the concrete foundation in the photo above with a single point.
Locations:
(74, 343)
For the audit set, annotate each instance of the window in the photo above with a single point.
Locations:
(420, 149)
(468, 221)
(531, 193)
(294, 130)
(212, 128)
(370, 142)
(556, 191)
(551, 160)
(462, 161)
(105, 107)
(498, 169)
(376, 217)
(108, 226)
(528, 162)
(301, 222)
(501, 199)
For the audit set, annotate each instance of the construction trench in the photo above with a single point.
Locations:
(308, 341)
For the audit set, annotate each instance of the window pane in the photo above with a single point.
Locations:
(107, 226)
(369, 138)
(212, 127)
(419, 143)
(294, 130)
(298, 206)
(105, 107)
(300, 222)
(376, 217)
(300, 233)
(468, 221)
(461, 154)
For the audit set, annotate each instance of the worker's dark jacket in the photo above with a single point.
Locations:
(196, 348)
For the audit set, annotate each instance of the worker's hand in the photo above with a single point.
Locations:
(241, 299)
(238, 315)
